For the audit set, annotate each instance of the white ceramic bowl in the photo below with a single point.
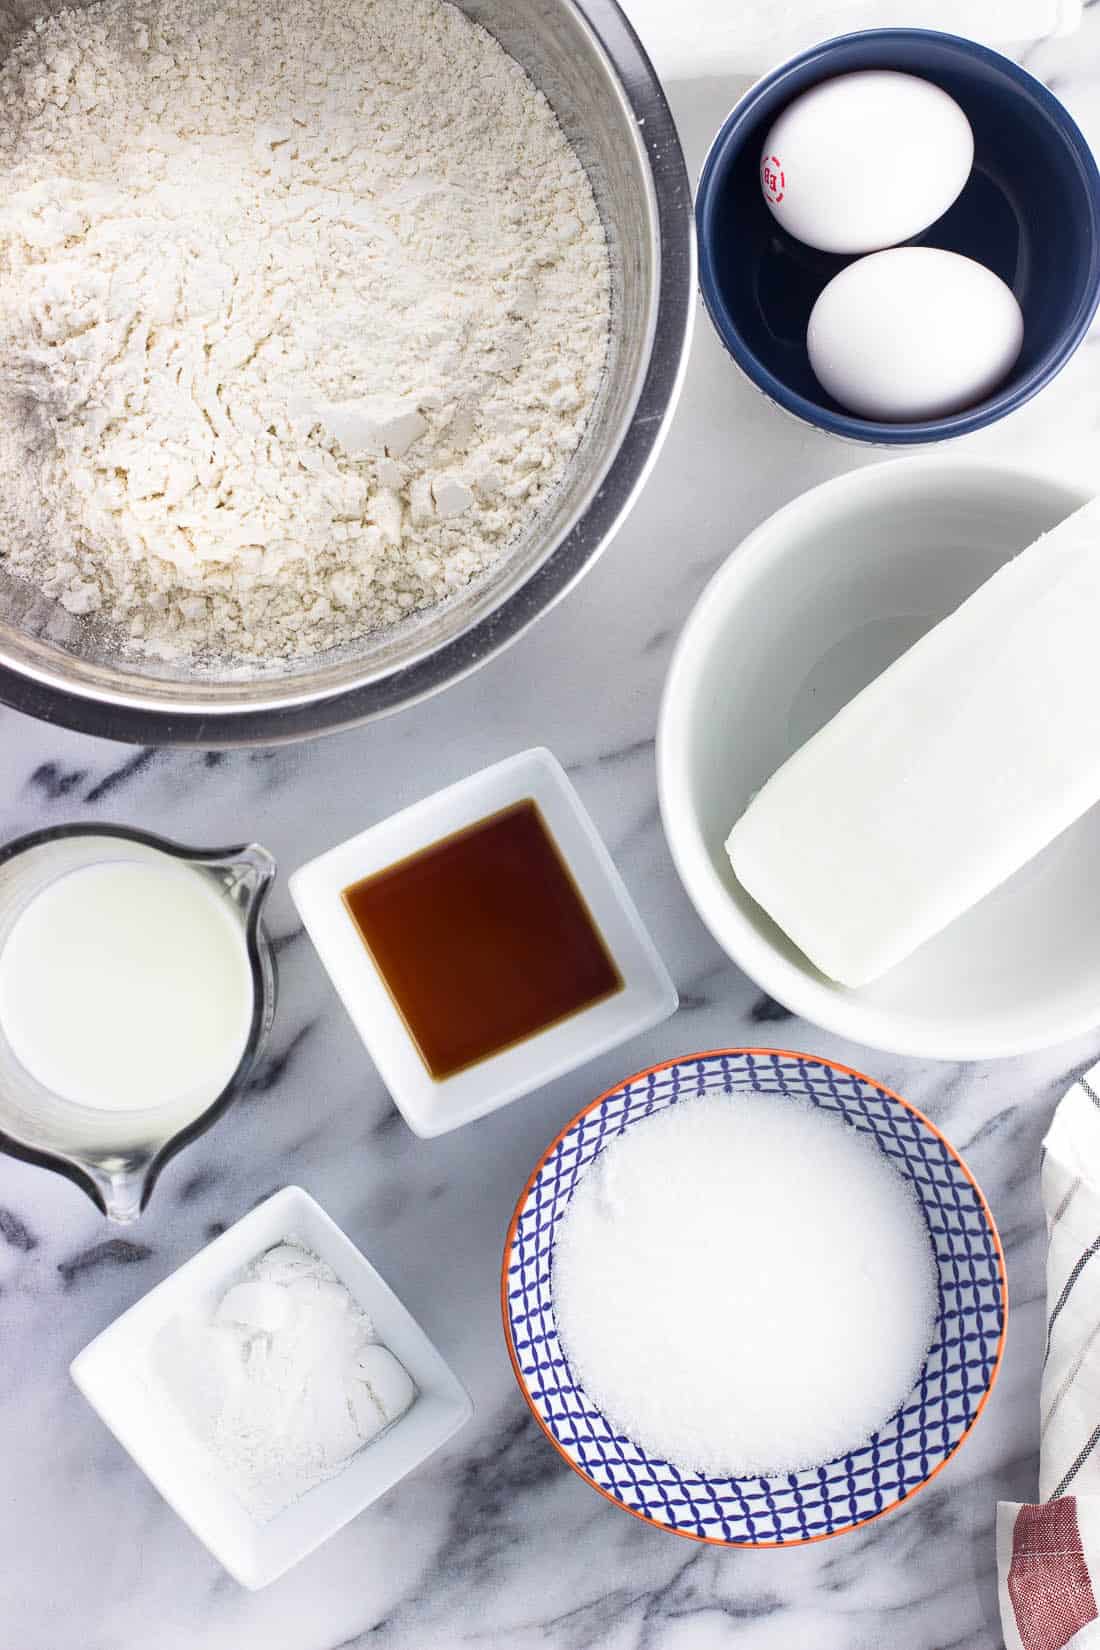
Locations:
(430, 1105)
(809, 609)
(115, 1375)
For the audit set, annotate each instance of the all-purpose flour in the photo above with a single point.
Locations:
(303, 308)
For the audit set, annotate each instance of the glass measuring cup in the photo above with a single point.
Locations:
(116, 1156)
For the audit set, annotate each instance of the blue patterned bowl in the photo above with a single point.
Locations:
(838, 1495)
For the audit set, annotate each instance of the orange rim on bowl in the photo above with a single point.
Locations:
(797, 1508)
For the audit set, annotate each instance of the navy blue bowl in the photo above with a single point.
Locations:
(1030, 211)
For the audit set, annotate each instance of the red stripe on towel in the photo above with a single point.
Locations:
(1048, 1579)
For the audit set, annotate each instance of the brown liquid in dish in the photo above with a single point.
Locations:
(483, 939)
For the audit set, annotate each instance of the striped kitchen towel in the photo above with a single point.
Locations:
(1048, 1555)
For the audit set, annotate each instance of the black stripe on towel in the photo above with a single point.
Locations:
(1074, 1370)
(1074, 1188)
(1067, 1289)
(1089, 1090)
(1077, 1465)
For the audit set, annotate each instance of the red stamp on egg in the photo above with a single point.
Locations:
(773, 178)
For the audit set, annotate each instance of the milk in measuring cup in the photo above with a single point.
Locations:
(127, 985)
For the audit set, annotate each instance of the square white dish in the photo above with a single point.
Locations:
(433, 1106)
(114, 1374)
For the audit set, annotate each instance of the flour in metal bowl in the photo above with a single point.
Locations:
(745, 1285)
(303, 311)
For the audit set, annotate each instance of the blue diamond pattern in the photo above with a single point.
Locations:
(825, 1500)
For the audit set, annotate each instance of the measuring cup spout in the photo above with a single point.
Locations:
(120, 1190)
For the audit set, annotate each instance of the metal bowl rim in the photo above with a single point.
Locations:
(122, 716)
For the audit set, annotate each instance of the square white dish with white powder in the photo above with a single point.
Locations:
(122, 1377)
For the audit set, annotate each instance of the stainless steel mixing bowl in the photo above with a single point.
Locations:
(589, 63)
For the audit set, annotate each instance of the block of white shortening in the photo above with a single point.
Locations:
(945, 775)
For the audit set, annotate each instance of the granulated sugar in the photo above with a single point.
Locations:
(745, 1285)
(303, 310)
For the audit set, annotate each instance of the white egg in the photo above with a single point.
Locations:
(865, 160)
(913, 333)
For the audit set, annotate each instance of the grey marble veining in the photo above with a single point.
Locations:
(494, 1543)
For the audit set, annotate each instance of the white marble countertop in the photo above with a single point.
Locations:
(494, 1543)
